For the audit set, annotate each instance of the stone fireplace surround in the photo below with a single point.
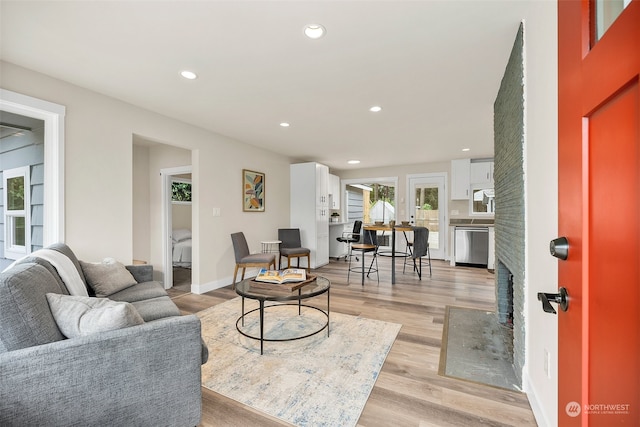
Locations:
(509, 191)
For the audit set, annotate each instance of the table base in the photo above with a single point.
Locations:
(262, 308)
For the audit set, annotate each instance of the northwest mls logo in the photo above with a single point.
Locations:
(572, 409)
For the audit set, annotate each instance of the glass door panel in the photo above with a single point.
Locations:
(605, 12)
(427, 209)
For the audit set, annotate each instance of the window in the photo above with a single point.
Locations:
(604, 13)
(181, 191)
(482, 200)
(17, 207)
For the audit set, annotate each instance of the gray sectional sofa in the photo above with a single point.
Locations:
(106, 372)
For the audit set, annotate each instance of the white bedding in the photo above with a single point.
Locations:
(182, 253)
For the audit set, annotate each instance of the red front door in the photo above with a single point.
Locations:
(599, 213)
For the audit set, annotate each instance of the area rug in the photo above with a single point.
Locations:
(314, 381)
(476, 347)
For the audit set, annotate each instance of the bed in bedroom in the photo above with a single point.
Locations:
(181, 248)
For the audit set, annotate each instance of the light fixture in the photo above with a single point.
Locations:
(314, 31)
(466, 149)
(188, 74)
(285, 124)
(353, 162)
(375, 109)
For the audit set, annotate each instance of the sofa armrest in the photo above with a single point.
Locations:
(143, 375)
(141, 272)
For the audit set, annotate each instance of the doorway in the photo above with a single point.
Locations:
(370, 200)
(427, 205)
(181, 242)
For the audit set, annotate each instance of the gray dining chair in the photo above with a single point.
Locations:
(246, 259)
(420, 249)
(291, 247)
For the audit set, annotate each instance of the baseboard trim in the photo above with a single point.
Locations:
(538, 411)
(221, 283)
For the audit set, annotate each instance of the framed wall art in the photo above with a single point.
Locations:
(252, 191)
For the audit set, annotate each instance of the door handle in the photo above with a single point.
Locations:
(561, 298)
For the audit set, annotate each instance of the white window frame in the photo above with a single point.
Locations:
(53, 116)
(11, 250)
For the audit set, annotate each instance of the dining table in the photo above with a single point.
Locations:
(393, 229)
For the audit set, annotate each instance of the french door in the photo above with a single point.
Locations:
(426, 200)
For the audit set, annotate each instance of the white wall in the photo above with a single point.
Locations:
(141, 245)
(181, 216)
(99, 178)
(541, 210)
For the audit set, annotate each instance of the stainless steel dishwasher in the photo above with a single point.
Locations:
(472, 245)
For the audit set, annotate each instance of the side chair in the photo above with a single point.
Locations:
(245, 259)
(409, 251)
(420, 249)
(291, 247)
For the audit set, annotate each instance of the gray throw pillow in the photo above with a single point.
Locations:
(107, 277)
(79, 315)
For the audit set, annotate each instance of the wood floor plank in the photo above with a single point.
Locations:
(409, 391)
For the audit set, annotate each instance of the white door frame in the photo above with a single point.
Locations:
(439, 178)
(53, 117)
(167, 264)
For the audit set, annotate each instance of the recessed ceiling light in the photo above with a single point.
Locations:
(285, 124)
(314, 31)
(466, 149)
(189, 75)
(375, 109)
(353, 162)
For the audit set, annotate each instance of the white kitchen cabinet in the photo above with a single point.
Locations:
(481, 173)
(334, 191)
(460, 179)
(309, 185)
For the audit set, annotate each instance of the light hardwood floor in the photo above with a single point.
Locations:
(409, 391)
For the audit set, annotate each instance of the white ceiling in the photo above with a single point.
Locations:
(434, 67)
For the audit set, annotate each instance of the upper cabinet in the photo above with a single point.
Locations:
(467, 173)
(460, 179)
(481, 172)
(334, 191)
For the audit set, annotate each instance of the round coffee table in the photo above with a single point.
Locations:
(278, 293)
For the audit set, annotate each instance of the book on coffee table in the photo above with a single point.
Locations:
(281, 276)
(268, 279)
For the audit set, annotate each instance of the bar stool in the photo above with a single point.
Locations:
(370, 245)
